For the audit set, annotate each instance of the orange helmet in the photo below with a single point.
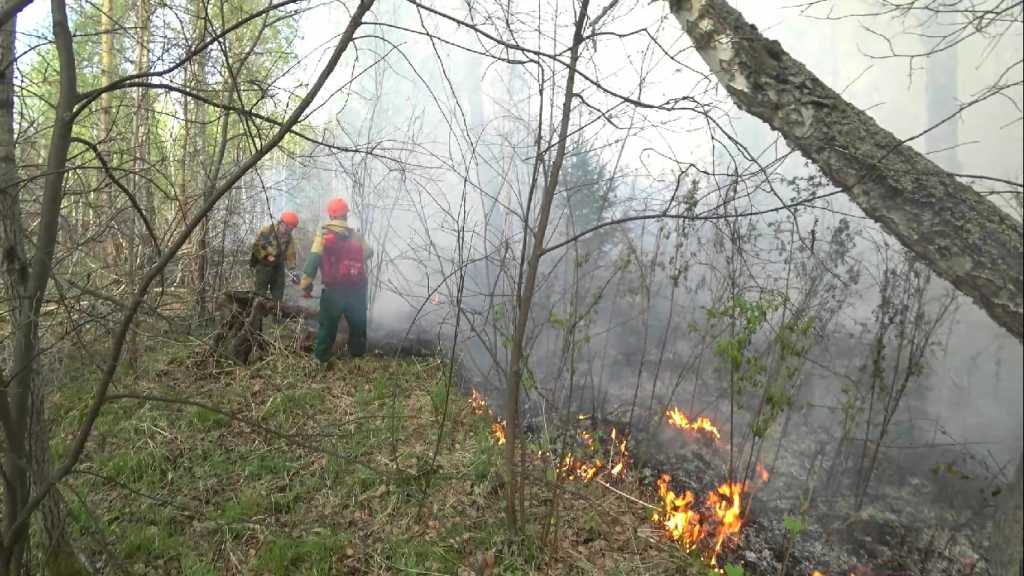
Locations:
(290, 218)
(337, 208)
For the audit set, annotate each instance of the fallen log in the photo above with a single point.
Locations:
(239, 336)
(239, 326)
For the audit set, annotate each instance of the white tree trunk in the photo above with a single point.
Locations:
(960, 235)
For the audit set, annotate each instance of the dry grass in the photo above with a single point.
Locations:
(302, 472)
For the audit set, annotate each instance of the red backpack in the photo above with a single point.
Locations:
(342, 259)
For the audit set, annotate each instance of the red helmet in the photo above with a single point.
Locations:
(337, 208)
(290, 218)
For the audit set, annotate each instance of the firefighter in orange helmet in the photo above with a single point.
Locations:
(273, 251)
(340, 254)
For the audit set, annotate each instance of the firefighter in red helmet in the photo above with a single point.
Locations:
(272, 251)
(340, 254)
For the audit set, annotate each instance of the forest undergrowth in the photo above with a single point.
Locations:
(280, 468)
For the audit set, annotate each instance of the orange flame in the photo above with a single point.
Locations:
(817, 573)
(764, 477)
(726, 503)
(498, 432)
(480, 407)
(678, 419)
(623, 453)
(587, 471)
(590, 465)
(477, 403)
(573, 467)
(679, 518)
(682, 519)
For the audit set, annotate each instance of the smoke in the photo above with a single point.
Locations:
(447, 139)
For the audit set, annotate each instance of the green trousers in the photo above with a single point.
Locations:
(335, 303)
(270, 280)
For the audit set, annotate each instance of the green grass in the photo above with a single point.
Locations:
(343, 485)
(313, 555)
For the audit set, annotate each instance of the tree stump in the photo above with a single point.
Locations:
(239, 326)
(239, 336)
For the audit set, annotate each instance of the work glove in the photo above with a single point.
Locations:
(293, 277)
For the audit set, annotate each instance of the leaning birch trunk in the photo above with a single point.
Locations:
(959, 234)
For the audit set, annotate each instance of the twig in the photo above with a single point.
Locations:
(624, 495)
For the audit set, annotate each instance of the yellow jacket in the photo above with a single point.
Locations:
(271, 244)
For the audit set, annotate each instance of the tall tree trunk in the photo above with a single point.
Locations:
(106, 68)
(197, 179)
(140, 145)
(181, 181)
(141, 128)
(960, 235)
(209, 187)
(105, 199)
(529, 285)
(29, 281)
(16, 271)
(60, 555)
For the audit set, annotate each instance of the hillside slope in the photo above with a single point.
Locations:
(297, 471)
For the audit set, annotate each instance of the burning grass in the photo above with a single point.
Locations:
(702, 530)
(277, 468)
(701, 424)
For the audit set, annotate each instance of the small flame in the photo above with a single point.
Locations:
(678, 517)
(573, 467)
(726, 503)
(708, 526)
(586, 471)
(498, 432)
(623, 453)
(817, 573)
(763, 474)
(477, 403)
(619, 444)
(590, 464)
(678, 419)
